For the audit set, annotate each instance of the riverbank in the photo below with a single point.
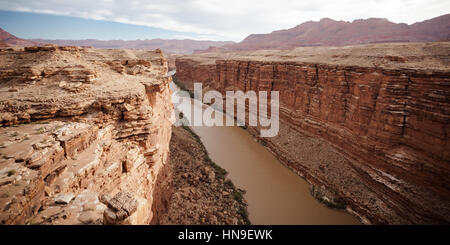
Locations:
(274, 193)
(201, 192)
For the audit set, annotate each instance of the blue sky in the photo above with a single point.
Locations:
(46, 26)
(195, 19)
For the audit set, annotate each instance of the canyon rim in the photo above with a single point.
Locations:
(150, 116)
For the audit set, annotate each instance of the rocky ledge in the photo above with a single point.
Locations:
(385, 108)
(84, 136)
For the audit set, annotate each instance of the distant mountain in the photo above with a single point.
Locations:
(11, 40)
(185, 46)
(328, 32)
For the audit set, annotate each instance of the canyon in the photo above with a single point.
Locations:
(367, 126)
(85, 136)
(272, 194)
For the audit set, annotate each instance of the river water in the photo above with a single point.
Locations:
(275, 194)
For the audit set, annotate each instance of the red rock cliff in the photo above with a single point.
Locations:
(381, 106)
(84, 136)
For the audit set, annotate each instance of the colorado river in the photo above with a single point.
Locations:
(275, 195)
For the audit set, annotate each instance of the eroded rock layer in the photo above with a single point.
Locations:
(385, 107)
(85, 136)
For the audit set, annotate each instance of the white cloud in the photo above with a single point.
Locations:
(232, 19)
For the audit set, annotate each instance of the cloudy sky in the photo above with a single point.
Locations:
(203, 19)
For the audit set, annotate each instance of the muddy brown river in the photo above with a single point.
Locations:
(275, 195)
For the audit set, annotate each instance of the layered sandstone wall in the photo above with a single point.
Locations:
(85, 136)
(390, 120)
(191, 71)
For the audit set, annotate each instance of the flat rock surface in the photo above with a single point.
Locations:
(62, 81)
(430, 56)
